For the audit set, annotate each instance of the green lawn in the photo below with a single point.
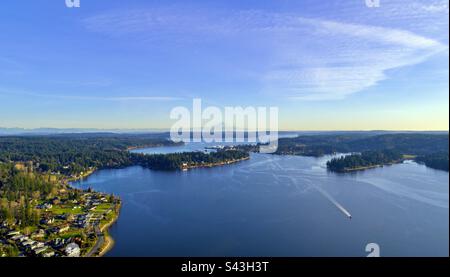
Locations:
(103, 208)
(66, 209)
(71, 233)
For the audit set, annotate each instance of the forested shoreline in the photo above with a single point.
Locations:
(364, 160)
(36, 200)
(75, 154)
(370, 150)
(436, 160)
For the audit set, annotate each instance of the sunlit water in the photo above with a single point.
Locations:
(277, 206)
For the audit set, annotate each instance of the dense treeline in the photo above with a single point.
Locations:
(406, 143)
(436, 160)
(71, 154)
(75, 153)
(33, 170)
(188, 159)
(313, 145)
(430, 149)
(19, 193)
(364, 160)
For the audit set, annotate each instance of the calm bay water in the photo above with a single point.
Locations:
(277, 206)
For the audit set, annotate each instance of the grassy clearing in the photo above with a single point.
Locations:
(66, 209)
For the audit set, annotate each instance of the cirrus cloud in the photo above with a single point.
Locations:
(304, 58)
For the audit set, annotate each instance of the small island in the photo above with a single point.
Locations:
(364, 160)
(375, 149)
(42, 215)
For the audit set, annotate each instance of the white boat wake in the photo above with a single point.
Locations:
(332, 200)
(293, 176)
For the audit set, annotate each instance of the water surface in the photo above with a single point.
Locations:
(277, 206)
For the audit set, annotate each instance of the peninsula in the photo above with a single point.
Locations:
(42, 215)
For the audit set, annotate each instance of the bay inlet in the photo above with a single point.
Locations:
(274, 205)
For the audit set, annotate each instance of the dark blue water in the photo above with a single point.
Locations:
(278, 206)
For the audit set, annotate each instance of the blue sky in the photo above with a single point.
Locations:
(327, 65)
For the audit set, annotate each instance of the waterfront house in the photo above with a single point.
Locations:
(13, 233)
(38, 251)
(28, 242)
(72, 250)
(48, 254)
(36, 245)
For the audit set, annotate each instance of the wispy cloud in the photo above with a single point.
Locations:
(437, 7)
(143, 98)
(359, 57)
(83, 97)
(310, 58)
(84, 83)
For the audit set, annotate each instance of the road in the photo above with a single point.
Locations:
(98, 244)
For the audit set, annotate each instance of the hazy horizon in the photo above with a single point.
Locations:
(143, 130)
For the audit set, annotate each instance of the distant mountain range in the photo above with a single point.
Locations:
(50, 131)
